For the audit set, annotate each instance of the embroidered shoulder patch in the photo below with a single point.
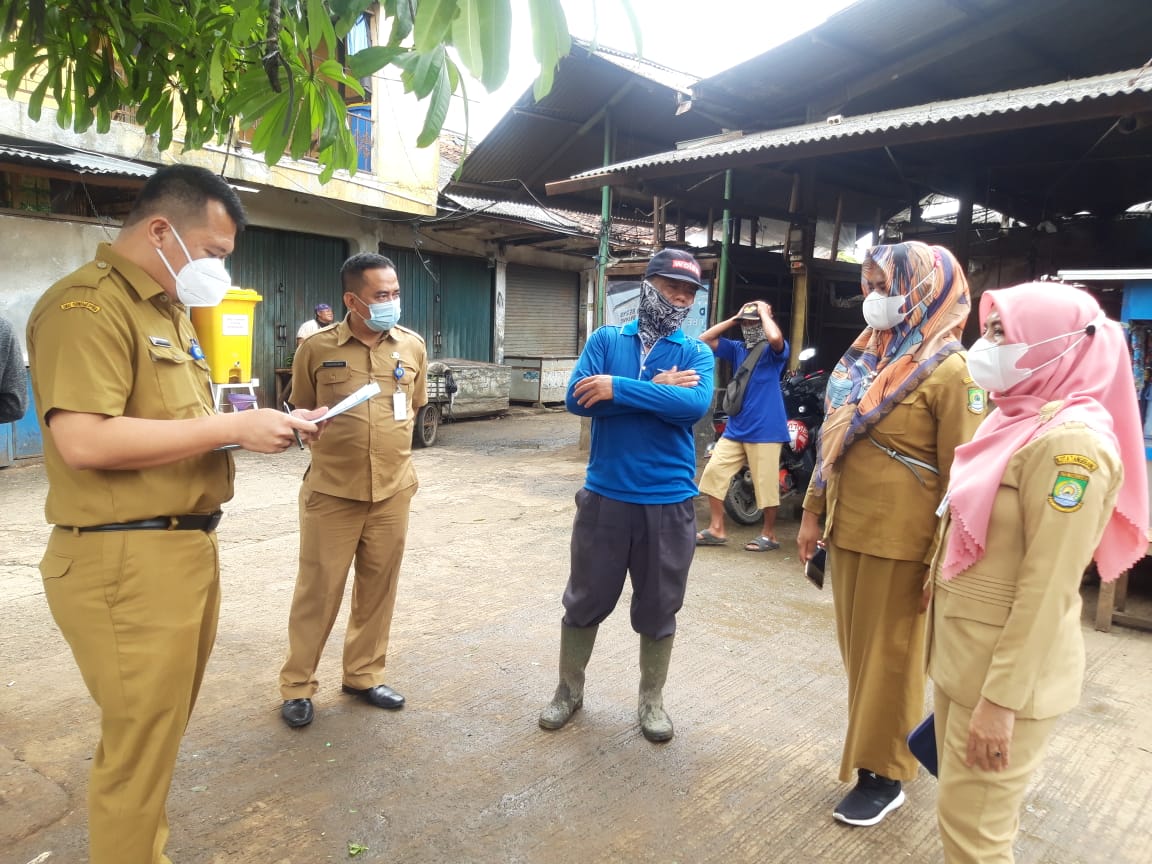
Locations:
(1076, 459)
(976, 401)
(80, 304)
(1068, 491)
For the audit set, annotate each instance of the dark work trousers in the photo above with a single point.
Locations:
(652, 542)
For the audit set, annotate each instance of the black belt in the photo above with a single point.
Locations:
(190, 522)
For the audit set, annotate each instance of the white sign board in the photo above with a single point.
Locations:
(234, 325)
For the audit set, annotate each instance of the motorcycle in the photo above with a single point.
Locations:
(803, 393)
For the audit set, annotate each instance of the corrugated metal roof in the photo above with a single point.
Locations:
(670, 78)
(81, 162)
(536, 141)
(933, 114)
(880, 54)
(553, 219)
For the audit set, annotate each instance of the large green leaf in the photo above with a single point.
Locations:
(433, 20)
(438, 103)
(216, 71)
(482, 37)
(372, 60)
(550, 41)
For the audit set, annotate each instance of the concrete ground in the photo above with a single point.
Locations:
(463, 773)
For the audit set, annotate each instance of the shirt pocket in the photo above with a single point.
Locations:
(407, 381)
(333, 383)
(181, 380)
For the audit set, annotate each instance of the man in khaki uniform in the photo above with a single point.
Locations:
(135, 484)
(355, 495)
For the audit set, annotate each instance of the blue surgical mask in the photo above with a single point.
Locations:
(382, 317)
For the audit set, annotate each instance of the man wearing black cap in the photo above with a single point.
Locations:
(644, 384)
(323, 319)
(755, 433)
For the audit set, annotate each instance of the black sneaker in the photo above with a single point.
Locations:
(873, 798)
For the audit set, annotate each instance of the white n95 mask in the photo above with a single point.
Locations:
(882, 312)
(200, 282)
(993, 367)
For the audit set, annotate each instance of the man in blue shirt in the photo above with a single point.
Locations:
(644, 385)
(754, 435)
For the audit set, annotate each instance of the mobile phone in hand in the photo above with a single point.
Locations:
(814, 569)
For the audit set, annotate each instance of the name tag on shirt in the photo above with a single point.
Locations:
(334, 364)
(399, 406)
(159, 341)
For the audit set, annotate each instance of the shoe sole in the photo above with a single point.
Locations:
(864, 823)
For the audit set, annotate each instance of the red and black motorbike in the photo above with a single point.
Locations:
(803, 393)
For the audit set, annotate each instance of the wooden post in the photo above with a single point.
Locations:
(963, 227)
(836, 226)
(722, 277)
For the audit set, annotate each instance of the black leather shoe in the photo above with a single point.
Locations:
(382, 696)
(297, 712)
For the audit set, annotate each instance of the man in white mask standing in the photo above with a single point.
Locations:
(136, 478)
(355, 496)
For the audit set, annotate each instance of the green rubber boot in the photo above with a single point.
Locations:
(654, 656)
(575, 650)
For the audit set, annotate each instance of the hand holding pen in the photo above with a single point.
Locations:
(295, 431)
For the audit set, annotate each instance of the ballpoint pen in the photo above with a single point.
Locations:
(295, 431)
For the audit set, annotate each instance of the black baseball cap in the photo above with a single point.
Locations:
(674, 264)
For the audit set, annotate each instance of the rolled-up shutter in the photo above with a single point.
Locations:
(541, 312)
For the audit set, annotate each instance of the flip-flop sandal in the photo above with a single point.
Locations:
(761, 544)
(707, 538)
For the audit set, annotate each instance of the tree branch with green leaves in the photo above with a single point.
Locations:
(277, 66)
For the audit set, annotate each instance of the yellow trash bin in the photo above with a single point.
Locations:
(225, 334)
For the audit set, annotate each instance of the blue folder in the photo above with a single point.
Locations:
(922, 743)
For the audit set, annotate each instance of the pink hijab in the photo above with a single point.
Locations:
(1094, 380)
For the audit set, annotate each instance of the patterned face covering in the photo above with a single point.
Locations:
(753, 333)
(657, 317)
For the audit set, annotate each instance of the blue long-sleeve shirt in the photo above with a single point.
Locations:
(642, 446)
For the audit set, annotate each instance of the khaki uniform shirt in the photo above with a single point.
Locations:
(107, 340)
(1008, 628)
(876, 505)
(365, 454)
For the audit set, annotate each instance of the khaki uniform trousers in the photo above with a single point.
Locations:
(881, 633)
(334, 532)
(979, 811)
(139, 609)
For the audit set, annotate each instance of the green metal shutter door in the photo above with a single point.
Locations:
(448, 301)
(542, 312)
(292, 272)
(418, 280)
(465, 309)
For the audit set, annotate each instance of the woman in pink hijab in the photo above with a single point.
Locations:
(1054, 478)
